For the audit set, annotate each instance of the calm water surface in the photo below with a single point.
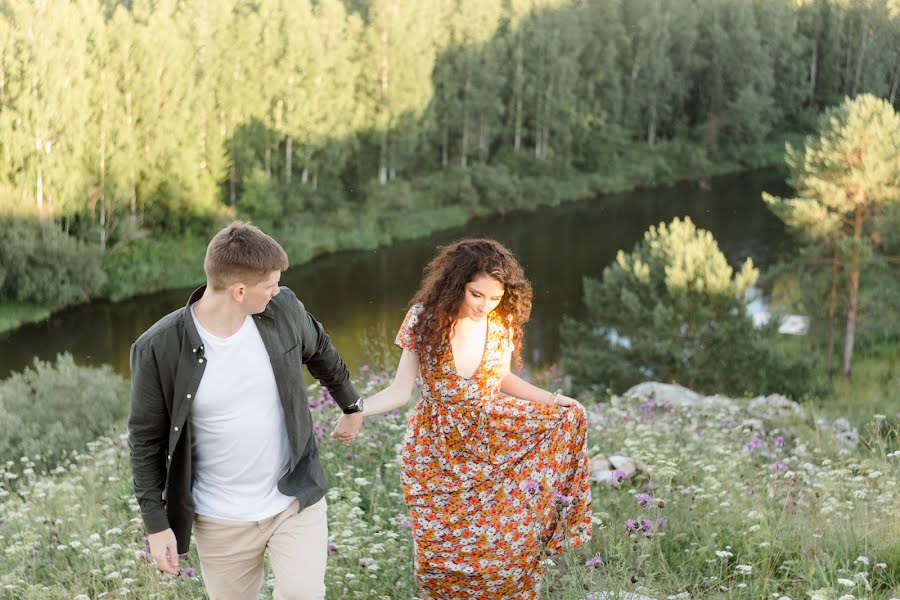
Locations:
(361, 297)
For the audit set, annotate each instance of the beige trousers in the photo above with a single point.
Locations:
(231, 554)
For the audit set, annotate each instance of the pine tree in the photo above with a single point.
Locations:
(844, 177)
(673, 310)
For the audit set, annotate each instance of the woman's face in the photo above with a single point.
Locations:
(481, 296)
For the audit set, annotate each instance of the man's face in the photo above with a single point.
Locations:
(257, 296)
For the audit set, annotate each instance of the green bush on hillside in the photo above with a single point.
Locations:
(672, 311)
(55, 407)
(41, 264)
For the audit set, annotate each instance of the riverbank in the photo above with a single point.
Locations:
(403, 210)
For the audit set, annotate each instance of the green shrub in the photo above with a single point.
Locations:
(41, 264)
(55, 407)
(151, 264)
(671, 311)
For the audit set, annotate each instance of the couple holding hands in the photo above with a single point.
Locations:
(494, 470)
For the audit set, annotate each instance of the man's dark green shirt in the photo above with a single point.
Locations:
(167, 364)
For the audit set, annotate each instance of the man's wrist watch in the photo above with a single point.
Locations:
(354, 408)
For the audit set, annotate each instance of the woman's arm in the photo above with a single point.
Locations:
(397, 394)
(515, 386)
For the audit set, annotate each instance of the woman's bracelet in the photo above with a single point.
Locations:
(553, 398)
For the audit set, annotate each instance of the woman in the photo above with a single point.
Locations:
(494, 469)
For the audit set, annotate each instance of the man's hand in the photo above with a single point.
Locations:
(164, 550)
(347, 427)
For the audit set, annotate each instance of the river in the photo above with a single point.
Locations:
(361, 297)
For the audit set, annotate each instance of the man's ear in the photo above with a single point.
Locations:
(238, 291)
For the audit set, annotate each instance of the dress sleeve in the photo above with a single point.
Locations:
(406, 339)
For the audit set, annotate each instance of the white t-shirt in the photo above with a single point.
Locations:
(239, 438)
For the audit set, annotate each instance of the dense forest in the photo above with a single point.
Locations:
(119, 119)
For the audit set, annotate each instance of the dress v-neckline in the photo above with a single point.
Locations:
(484, 350)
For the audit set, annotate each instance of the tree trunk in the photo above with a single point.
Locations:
(304, 175)
(232, 183)
(445, 150)
(39, 192)
(860, 58)
(519, 87)
(832, 309)
(849, 58)
(464, 144)
(132, 179)
(651, 127)
(268, 160)
(893, 96)
(853, 296)
(288, 155)
(813, 68)
(101, 200)
(382, 160)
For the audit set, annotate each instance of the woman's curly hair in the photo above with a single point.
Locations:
(443, 288)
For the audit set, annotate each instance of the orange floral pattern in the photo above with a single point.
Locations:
(493, 483)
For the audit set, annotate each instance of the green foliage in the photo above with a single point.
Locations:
(40, 264)
(58, 407)
(847, 182)
(673, 310)
(148, 265)
(13, 315)
(164, 119)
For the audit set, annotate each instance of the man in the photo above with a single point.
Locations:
(220, 430)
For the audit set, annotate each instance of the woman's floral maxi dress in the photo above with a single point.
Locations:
(492, 482)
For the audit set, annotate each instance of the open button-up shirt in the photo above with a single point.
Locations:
(167, 364)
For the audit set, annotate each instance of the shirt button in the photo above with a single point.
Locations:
(168, 457)
(176, 429)
(201, 360)
(189, 396)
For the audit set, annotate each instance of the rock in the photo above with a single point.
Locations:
(603, 468)
(617, 596)
(775, 406)
(845, 433)
(673, 395)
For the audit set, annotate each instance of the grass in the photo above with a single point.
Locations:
(13, 314)
(742, 506)
(874, 387)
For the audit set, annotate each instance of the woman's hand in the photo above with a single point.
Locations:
(347, 427)
(566, 401)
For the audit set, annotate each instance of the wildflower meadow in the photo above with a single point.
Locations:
(729, 506)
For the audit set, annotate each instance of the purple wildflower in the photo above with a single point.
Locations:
(561, 499)
(753, 444)
(630, 526)
(779, 466)
(647, 527)
(365, 562)
(595, 562)
(619, 475)
(644, 500)
(779, 441)
(332, 548)
(661, 522)
(188, 573)
(530, 486)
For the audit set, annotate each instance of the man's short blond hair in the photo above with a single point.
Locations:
(242, 253)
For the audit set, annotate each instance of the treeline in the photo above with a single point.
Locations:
(122, 118)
